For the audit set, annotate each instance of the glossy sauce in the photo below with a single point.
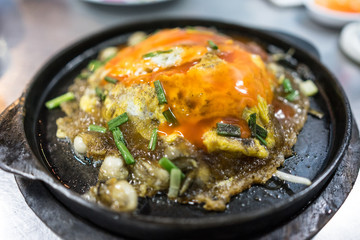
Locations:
(200, 90)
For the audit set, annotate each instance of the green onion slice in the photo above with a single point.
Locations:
(156, 53)
(175, 181)
(93, 65)
(115, 122)
(225, 129)
(110, 57)
(170, 117)
(111, 80)
(252, 124)
(119, 135)
(97, 128)
(153, 140)
(84, 75)
(168, 165)
(262, 140)
(118, 138)
(160, 92)
(256, 130)
(287, 86)
(308, 88)
(55, 102)
(212, 45)
(262, 132)
(292, 96)
(100, 93)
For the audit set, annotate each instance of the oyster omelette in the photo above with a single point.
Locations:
(187, 112)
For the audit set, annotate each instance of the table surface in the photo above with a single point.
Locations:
(31, 31)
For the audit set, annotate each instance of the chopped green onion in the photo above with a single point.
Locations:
(287, 85)
(225, 129)
(168, 165)
(115, 122)
(97, 128)
(262, 132)
(119, 135)
(84, 75)
(118, 138)
(55, 102)
(252, 124)
(110, 57)
(212, 45)
(316, 113)
(153, 140)
(93, 65)
(170, 117)
(308, 88)
(292, 96)
(100, 93)
(256, 130)
(262, 141)
(153, 54)
(111, 80)
(160, 92)
(175, 181)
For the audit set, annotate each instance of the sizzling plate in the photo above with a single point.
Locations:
(319, 150)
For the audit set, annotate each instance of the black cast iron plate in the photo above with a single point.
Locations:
(319, 150)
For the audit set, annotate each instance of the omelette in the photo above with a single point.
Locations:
(187, 112)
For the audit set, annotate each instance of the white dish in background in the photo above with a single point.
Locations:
(350, 41)
(329, 17)
(125, 2)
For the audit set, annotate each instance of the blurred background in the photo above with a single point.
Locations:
(32, 31)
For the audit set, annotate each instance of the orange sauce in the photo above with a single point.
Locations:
(349, 6)
(199, 93)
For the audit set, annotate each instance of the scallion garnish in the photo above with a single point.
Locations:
(115, 122)
(175, 181)
(262, 132)
(118, 138)
(160, 92)
(225, 129)
(212, 45)
(170, 117)
(55, 102)
(252, 124)
(256, 130)
(292, 96)
(287, 85)
(119, 135)
(308, 88)
(97, 128)
(111, 80)
(110, 57)
(153, 140)
(100, 93)
(262, 141)
(153, 54)
(84, 75)
(93, 65)
(168, 165)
